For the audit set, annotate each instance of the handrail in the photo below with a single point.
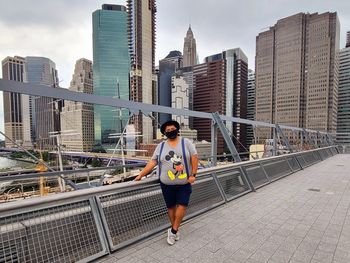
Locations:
(39, 90)
(114, 216)
(128, 185)
(67, 172)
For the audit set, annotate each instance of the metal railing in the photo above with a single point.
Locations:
(281, 134)
(83, 225)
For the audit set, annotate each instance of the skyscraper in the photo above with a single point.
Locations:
(190, 49)
(111, 68)
(167, 68)
(347, 39)
(343, 128)
(250, 105)
(141, 21)
(209, 95)
(43, 111)
(297, 72)
(78, 117)
(180, 98)
(187, 74)
(13, 69)
(236, 74)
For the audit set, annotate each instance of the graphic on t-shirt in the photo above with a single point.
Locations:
(177, 165)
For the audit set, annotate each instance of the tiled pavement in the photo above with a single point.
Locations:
(281, 222)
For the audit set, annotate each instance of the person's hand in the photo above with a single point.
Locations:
(191, 179)
(138, 178)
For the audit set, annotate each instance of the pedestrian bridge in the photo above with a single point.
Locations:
(304, 217)
(238, 213)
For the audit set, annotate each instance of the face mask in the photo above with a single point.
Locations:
(172, 134)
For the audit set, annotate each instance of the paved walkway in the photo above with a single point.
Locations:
(304, 217)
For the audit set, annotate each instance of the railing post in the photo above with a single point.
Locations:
(250, 183)
(264, 171)
(214, 143)
(228, 139)
(302, 140)
(216, 180)
(99, 225)
(274, 152)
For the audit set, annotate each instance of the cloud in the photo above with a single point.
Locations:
(53, 14)
(224, 24)
(62, 30)
(59, 30)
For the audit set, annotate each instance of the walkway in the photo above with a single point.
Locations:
(304, 217)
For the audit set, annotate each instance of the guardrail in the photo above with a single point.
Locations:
(83, 225)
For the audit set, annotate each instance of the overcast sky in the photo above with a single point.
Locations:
(62, 29)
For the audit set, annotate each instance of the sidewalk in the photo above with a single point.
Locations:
(304, 217)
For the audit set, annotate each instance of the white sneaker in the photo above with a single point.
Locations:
(177, 236)
(171, 237)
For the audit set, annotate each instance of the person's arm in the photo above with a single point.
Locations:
(149, 167)
(194, 164)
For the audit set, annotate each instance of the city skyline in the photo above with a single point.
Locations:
(35, 25)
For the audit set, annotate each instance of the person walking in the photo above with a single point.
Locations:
(177, 161)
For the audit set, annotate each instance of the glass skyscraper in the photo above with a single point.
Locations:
(111, 68)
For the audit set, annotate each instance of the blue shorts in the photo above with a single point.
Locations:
(176, 194)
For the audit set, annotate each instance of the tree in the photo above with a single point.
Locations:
(45, 156)
(96, 162)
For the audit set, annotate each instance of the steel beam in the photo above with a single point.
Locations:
(134, 107)
(227, 137)
(284, 138)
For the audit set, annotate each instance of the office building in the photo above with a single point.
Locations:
(343, 125)
(77, 118)
(143, 80)
(236, 74)
(250, 106)
(297, 72)
(111, 68)
(44, 112)
(209, 95)
(13, 69)
(187, 74)
(180, 98)
(167, 68)
(190, 57)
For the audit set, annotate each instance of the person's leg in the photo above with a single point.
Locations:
(169, 195)
(171, 214)
(182, 199)
(179, 215)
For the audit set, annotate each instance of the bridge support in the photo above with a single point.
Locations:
(227, 137)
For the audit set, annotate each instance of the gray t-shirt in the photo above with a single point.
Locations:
(172, 167)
